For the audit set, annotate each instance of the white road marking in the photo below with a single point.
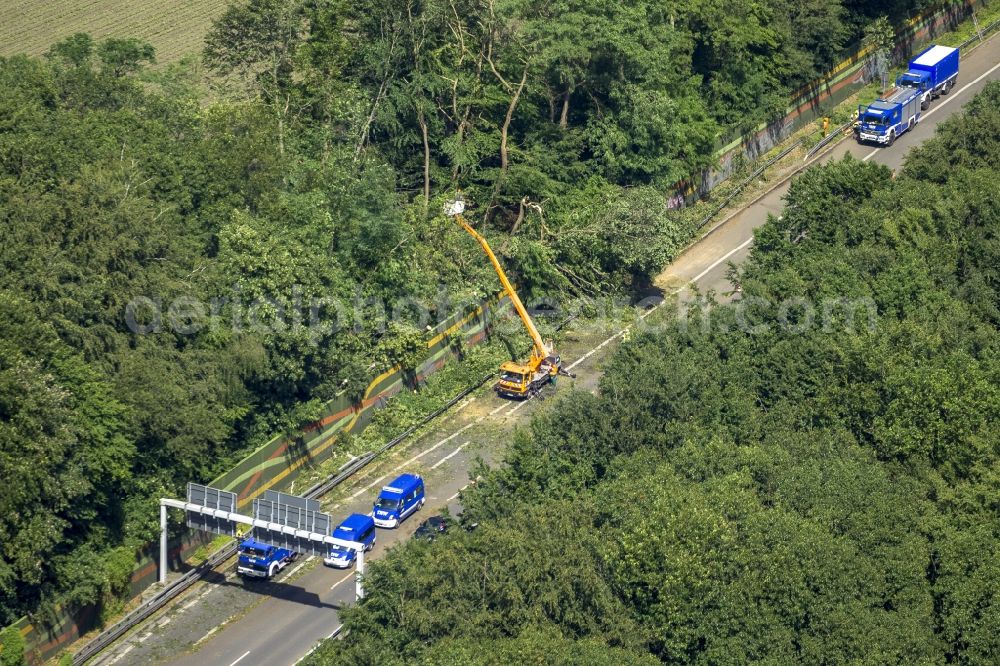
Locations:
(144, 637)
(941, 105)
(504, 406)
(350, 575)
(459, 490)
(952, 95)
(449, 456)
(297, 567)
(414, 459)
(164, 622)
(210, 632)
(190, 603)
(517, 406)
(313, 648)
(121, 655)
(722, 258)
(240, 659)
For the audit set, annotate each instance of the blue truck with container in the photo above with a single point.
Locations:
(398, 500)
(357, 527)
(884, 120)
(932, 73)
(261, 560)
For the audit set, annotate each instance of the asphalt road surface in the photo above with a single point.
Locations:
(277, 623)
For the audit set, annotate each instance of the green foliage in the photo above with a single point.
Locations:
(183, 276)
(11, 647)
(747, 487)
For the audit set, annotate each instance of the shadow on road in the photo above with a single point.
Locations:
(275, 589)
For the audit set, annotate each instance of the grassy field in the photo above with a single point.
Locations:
(174, 27)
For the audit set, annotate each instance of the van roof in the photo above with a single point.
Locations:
(401, 485)
(352, 526)
(933, 55)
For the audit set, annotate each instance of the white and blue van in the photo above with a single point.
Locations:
(356, 527)
(398, 500)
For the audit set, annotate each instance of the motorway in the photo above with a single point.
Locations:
(224, 622)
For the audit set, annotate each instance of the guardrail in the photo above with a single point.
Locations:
(317, 490)
(826, 140)
(746, 181)
(831, 136)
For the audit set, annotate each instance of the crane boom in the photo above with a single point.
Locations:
(540, 349)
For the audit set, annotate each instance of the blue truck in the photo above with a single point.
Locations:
(261, 560)
(356, 527)
(884, 120)
(398, 500)
(932, 73)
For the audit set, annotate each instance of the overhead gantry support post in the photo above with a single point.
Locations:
(163, 542)
(359, 572)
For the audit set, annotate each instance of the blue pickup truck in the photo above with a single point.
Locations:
(932, 73)
(261, 560)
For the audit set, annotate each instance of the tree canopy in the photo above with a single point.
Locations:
(193, 257)
(752, 485)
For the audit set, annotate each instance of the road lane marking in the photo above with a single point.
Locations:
(341, 581)
(653, 309)
(240, 659)
(297, 567)
(414, 459)
(450, 455)
(189, 604)
(121, 655)
(961, 90)
(313, 648)
(518, 406)
(456, 494)
(942, 104)
(210, 632)
(722, 258)
(501, 407)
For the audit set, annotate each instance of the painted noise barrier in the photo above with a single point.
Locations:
(278, 456)
(317, 490)
(276, 464)
(806, 103)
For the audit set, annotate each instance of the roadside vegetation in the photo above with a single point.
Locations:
(161, 246)
(750, 486)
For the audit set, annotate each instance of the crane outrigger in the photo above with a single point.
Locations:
(517, 380)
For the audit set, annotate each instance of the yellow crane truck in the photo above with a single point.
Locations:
(517, 380)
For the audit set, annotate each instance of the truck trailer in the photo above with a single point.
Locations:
(932, 73)
(884, 120)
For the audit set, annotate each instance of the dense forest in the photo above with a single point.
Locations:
(753, 488)
(303, 155)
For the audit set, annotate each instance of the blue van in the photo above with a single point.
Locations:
(398, 500)
(356, 527)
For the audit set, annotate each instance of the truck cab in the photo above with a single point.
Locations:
(356, 527)
(918, 80)
(523, 381)
(398, 500)
(884, 120)
(933, 72)
(262, 560)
